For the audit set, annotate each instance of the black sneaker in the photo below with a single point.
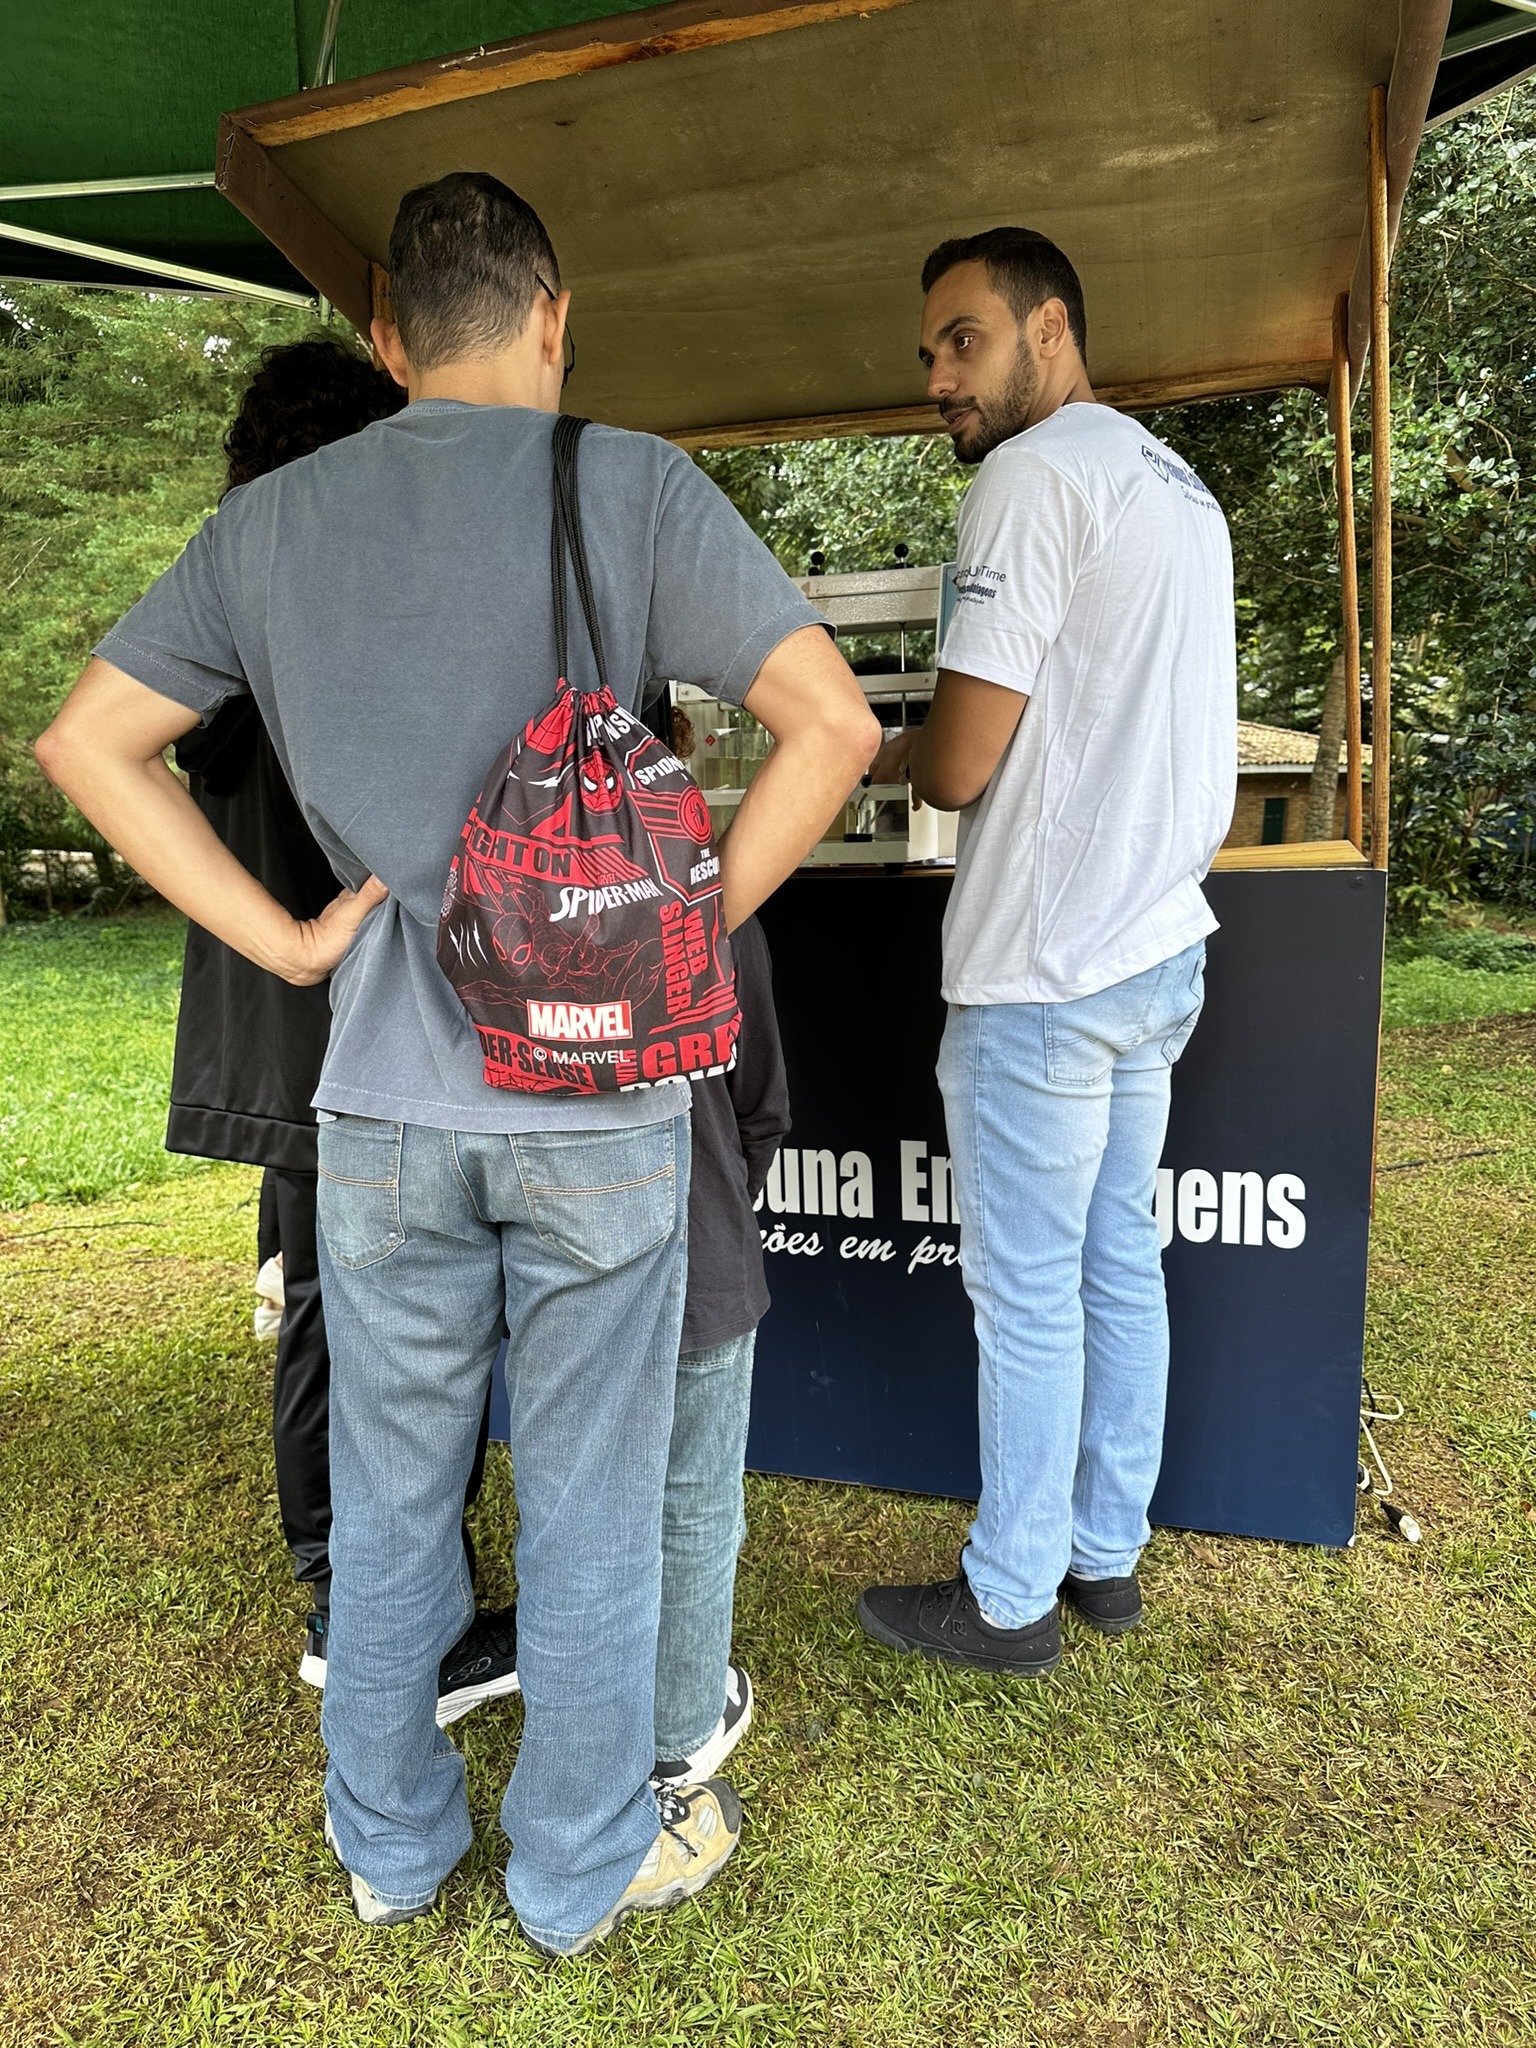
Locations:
(1112, 1606)
(943, 1621)
(481, 1666)
(312, 1663)
(728, 1731)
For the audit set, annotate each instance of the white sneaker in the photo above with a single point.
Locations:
(371, 1909)
(727, 1732)
(269, 1298)
(700, 1827)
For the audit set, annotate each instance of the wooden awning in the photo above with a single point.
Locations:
(742, 193)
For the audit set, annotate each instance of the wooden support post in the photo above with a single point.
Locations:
(315, 246)
(1349, 569)
(1381, 490)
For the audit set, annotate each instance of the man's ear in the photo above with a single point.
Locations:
(388, 352)
(555, 313)
(1052, 327)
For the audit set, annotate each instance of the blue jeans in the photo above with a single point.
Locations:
(703, 1527)
(429, 1238)
(1057, 1114)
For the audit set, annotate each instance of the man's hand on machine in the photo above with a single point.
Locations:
(892, 763)
(949, 759)
(824, 734)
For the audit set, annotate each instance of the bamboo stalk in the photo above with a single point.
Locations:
(1349, 569)
(1381, 489)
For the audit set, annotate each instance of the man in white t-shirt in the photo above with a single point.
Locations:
(1084, 725)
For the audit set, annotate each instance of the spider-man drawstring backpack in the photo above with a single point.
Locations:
(582, 924)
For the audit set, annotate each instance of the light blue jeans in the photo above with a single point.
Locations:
(1057, 1114)
(703, 1526)
(427, 1239)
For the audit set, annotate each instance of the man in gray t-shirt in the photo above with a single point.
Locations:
(387, 603)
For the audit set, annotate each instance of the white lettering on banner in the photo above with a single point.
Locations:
(799, 1244)
(879, 1249)
(1242, 1208)
(857, 1195)
(819, 1183)
(926, 1252)
(584, 1022)
(1194, 1206)
(1287, 1226)
(1197, 1205)
(927, 1176)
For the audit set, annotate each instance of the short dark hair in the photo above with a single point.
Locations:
(1023, 268)
(466, 257)
(304, 395)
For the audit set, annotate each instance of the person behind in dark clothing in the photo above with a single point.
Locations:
(249, 1045)
(703, 1699)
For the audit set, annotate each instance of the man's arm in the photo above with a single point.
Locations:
(105, 750)
(953, 755)
(824, 736)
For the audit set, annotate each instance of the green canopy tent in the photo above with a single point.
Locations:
(108, 115)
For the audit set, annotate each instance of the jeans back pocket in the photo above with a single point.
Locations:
(602, 1198)
(358, 1193)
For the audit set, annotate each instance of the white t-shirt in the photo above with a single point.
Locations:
(1094, 577)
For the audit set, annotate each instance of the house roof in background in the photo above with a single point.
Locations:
(1273, 746)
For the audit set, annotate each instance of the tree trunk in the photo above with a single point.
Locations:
(1323, 795)
(106, 867)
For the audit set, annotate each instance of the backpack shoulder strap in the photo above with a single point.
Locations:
(566, 545)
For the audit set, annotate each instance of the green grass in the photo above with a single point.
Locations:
(1298, 1808)
(1431, 991)
(87, 1021)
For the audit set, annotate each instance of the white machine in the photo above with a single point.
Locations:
(879, 826)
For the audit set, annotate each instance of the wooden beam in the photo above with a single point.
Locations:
(1349, 568)
(1301, 853)
(632, 38)
(1381, 488)
(1422, 27)
(316, 248)
(924, 419)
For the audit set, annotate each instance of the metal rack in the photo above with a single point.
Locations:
(879, 826)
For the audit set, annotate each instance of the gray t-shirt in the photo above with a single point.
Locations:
(387, 603)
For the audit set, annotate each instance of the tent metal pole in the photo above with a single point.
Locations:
(157, 268)
(1381, 489)
(324, 72)
(1349, 568)
(102, 188)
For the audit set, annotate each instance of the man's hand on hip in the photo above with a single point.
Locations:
(106, 751)
(322, 943)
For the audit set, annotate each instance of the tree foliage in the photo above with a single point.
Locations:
(113, 407)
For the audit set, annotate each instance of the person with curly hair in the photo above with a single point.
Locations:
(250, 1046)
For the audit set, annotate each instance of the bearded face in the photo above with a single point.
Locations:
(983, 419)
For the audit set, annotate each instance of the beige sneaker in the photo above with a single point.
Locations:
(700, 1827)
